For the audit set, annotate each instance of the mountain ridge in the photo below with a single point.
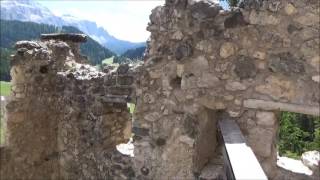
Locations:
(29, 10)
(12, 31)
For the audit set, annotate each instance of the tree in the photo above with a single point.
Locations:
(5, 64)
(298, 133)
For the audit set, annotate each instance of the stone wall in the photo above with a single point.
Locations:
(203, 61)
(203, 64)
(64, 119)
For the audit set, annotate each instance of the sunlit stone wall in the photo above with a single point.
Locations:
(65, 118)
(248, 62)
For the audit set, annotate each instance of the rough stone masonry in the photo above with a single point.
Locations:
(65, 118)
(202, 63)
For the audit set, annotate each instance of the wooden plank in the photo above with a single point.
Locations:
(271, 105)
(244, 163)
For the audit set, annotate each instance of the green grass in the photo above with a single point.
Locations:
(131, 107)
(108, 60)
(5, 88)
(291, 155)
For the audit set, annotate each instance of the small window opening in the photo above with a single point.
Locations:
(127, 148)
(299, 136)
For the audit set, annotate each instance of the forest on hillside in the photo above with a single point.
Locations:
(135, 54)
(298, 133)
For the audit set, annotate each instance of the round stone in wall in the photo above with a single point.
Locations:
(290, 9)
(227, 49)
(183, 50)
(245, 68)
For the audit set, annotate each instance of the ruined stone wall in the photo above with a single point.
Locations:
(203, 62)
(64, 119)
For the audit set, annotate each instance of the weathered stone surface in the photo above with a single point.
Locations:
(245, 68)
(152, 116)
(293, 28)
(125, 80)
(309, 48)
(182, 51)
(290, 9)
(277, 88)
(148, 98)
(27, 45)
(259, 55)
(266, 118)
(66, 102)
(78, 38)
(258, 51)
(189, 81)
(263, 18)
(261, 141)
(207, 80)
(204, 46)
(308, 19)
(212, 171)
(79, 114)
(227, 49)
(189, 123)
(286, 63)
(315, 62)
(180, 70)
(198, 65)
(308, 33)
(187, 140)
(177, 35)
(235, 20)
(140, 131)
(235, 86)
(123, 68)
(274, 6)
(271, 105)
(204, 9)
(316, 78)
(212, 103)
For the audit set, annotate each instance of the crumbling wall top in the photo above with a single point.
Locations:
(77, 38)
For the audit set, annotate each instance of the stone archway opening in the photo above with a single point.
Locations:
(128, 148)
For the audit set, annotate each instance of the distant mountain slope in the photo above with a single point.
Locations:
(136, 53)
(101, 35)
(13, 31)
(29, 10)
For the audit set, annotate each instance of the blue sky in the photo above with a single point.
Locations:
(125, 20)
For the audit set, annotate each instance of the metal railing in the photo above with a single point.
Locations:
(239, 160)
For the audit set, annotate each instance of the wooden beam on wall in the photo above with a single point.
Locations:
(280, 106)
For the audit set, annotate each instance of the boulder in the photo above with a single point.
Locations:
(311, 159)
